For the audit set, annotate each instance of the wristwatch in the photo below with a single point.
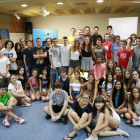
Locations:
(12, 105)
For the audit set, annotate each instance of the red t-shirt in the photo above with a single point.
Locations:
(108, 47)
(124, 57)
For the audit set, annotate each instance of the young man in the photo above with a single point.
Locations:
(96, 35)
(58, 111)
(115, 48)
(28, 58)
(7, 102)
(124, 56)
(39, 54)
(111, 36)
(4, 69)
(107, 44)
(80, 38)
(99, 50)
(72, 37)
(136, 60)
(134, 38)
(23, 45)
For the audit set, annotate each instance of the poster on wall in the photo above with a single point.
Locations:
(44, 34)
(4, 33)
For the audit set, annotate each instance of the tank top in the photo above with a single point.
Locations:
(74, 55)
(65, 84)
(86, 54)
(22, 82)
(137, 107)
(44, 82)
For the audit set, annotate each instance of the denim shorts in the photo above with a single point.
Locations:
(1, 113)
(35, 89)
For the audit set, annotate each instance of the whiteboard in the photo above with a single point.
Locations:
(15, 37)
(124, 26)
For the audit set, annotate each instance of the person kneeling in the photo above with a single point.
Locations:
(60, 110)
(7, 102)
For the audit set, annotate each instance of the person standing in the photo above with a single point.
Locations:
(72, 37)
(111, 36)
(80, 38)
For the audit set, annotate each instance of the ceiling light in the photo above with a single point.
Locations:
(44, 12)
(24, 5)
(15, 14)
(60, 3)
(100, 1)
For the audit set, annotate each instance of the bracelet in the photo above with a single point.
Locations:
(118, 108)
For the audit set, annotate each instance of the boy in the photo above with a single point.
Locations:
(58, 111)
(7, 102)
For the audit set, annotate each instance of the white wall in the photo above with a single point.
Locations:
(15, 37)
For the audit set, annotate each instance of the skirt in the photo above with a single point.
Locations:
(86, 63)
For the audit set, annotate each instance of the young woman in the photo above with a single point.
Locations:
(80, 115)
(15, 88)
(91, 86)
(87, 53)
(18, 49)
(118, 98)
(107, 86)
(106, 119)
(76, 86)
(22, 77)
(10, 53)
(34, 85)
(74, 57)
(133, 106)
(118, 73)
(45, 83)
(136, 77)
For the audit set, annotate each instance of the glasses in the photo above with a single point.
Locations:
(85, 98)
(54, 41)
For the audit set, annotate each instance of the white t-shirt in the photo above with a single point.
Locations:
(12, 54)
(56, 58)
(137, 107)
(65, 54)
(10, 86)
(3, 66)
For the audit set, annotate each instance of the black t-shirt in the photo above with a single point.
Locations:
(29, 56)
(95, 37)
(47, 61)
(90, 37)
(38, 63)
(19, 56)
(75, 106)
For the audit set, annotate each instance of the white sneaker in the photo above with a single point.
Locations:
(122, 116)
(122, 133)
(19, 120)
(91, 138)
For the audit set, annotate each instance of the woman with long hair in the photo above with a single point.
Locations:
(118, 73)
(136, 77)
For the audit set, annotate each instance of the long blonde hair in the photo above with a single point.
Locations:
(73, 48)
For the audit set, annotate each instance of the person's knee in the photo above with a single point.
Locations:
(43, 99)
(101, 115)
(85, 116)
(73, 114)
(32, 98)
(1, 104)
(46, 109)
(11, 100)
(101, 133)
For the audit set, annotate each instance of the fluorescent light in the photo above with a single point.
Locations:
(15, 14)
(24, 5)
(44, 12)
(100, 1)
(60, 3)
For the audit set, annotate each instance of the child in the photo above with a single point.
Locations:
(118, 98)
(133, 106)
(7, 102)
(118, 73)
(80, 114)
(60, 110)
(45, 83)
(107, 119)
(34, 85)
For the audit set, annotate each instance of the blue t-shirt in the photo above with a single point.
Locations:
(115, 48)
(44, 82)
(75, 106)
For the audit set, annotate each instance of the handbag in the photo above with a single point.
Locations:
(44, 91)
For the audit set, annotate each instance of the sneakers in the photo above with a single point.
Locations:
(47, 116)
(122, 133)
(64, 119)
(91, 138)
(19, 120)
(122, 116)
(6, 122)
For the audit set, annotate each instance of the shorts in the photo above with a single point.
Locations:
(1, 113)
(74, 63)
(57, 108)
(35, 89)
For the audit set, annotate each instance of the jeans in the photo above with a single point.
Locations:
(30, 67)
(135, 67)
(55, 72)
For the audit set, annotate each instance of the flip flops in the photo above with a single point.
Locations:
(70, 137)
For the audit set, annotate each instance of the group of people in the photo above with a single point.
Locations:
(98, 77)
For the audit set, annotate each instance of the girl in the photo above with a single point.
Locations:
(15, 88)
(10, 53)
(92, 87)
(19, 53)
(1, 46)
(34, 85)
(107, 86)
(76, 86)
(134, 102)
(118, 73)
(107, 120)
(74, 57)
(45, 83)
(80, 115)
(87, 52)
(136, 77)
(118, 98)
(22, 77)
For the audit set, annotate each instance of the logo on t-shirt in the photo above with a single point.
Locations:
(40, 60)
(123, 55)
(106, 47)
(8, 55)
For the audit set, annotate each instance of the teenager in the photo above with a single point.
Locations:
(7, 103)
(16, 90)
(118, 73)
(136, 77)
(111, 36)
(60, 110)
(22, 43)
(73, 36)
(80, 115)
(118, 98)
(124, 56)
(80, 38)
(133, 106)
(134, 42)
(45, 83)
(10, 53)
(1, 46)
(105, 119)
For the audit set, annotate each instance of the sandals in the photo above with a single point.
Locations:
(128, 122)
(88, 133)
(70, 137)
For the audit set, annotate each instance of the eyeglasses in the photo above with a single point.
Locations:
(85, 98)
(54, 41)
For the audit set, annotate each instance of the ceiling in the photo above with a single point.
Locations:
(69, 7)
